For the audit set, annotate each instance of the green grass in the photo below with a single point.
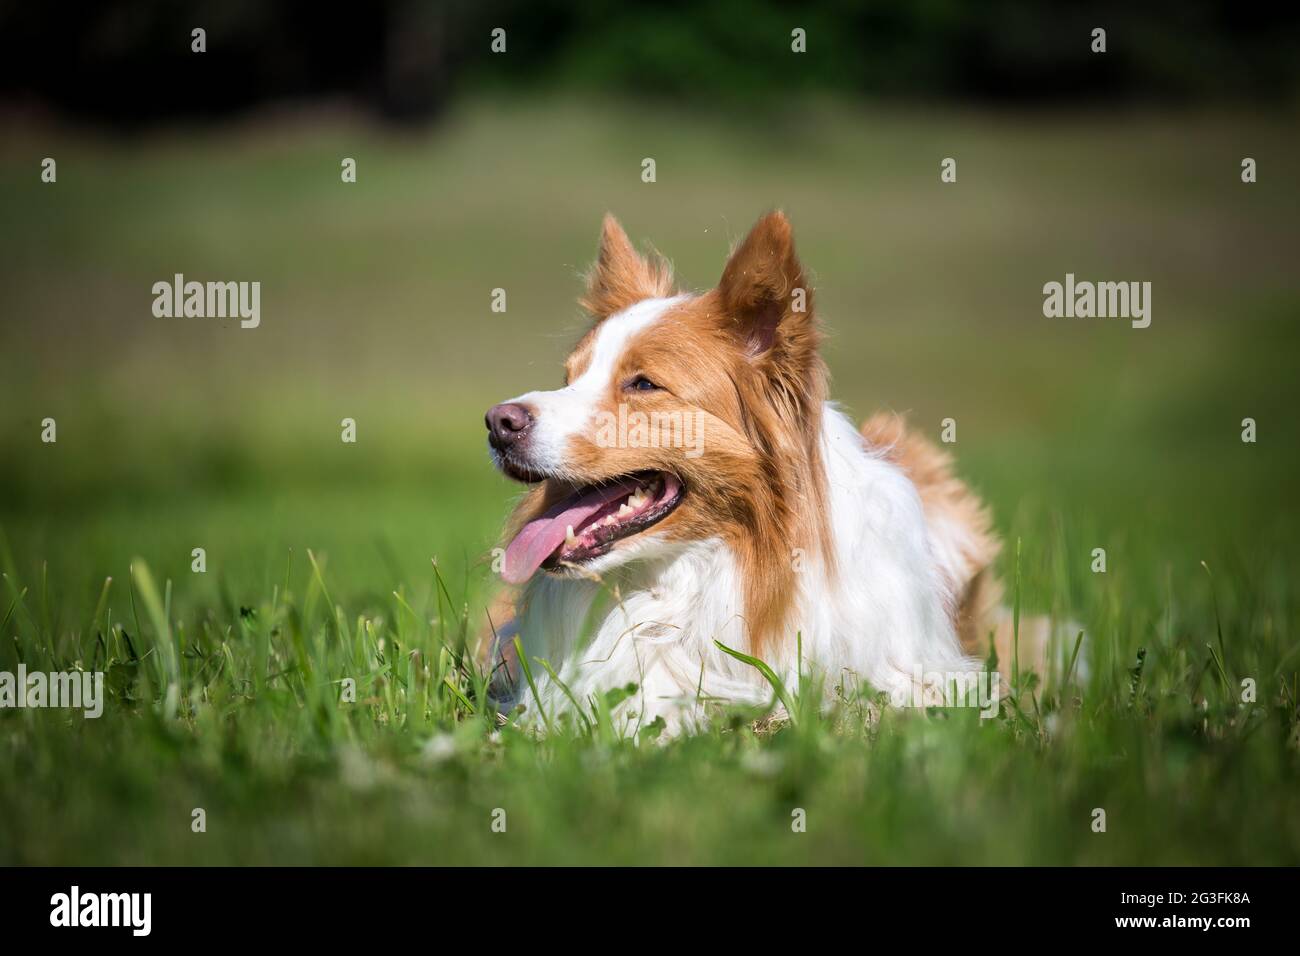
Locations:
(236, 709)
(225, 686)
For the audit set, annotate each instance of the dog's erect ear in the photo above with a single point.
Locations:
(767, 302)
(621, 276)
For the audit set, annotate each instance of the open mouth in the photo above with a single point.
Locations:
(585, 524)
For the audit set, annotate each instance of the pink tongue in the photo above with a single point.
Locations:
(540, 538)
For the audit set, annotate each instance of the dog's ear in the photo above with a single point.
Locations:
(766, 301)
(621, 276)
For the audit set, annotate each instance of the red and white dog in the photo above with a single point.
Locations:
(691, 483)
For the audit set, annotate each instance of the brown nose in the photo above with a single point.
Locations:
(507, 423)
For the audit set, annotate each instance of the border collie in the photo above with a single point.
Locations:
(691, 484)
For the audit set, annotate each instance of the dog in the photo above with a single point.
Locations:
(692, 486)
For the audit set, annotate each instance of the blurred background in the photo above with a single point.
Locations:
(479, 170)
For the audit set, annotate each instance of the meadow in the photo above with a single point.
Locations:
(327, 560)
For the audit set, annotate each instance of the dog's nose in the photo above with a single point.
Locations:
(507, 423)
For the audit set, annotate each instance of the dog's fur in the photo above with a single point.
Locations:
(793, 527)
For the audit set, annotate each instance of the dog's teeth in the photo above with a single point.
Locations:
(624, 511)
(569, 539)
(610, 519)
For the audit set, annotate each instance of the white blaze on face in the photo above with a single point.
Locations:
(561, 414)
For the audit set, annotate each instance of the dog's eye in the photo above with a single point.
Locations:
(642, 384)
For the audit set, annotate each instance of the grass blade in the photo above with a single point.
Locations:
(768, 674)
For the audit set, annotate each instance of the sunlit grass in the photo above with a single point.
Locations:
(238, 706)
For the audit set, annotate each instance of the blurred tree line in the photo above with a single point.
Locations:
(127, 62)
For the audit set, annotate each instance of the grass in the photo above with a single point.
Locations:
(225, 686)
(236, 710)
